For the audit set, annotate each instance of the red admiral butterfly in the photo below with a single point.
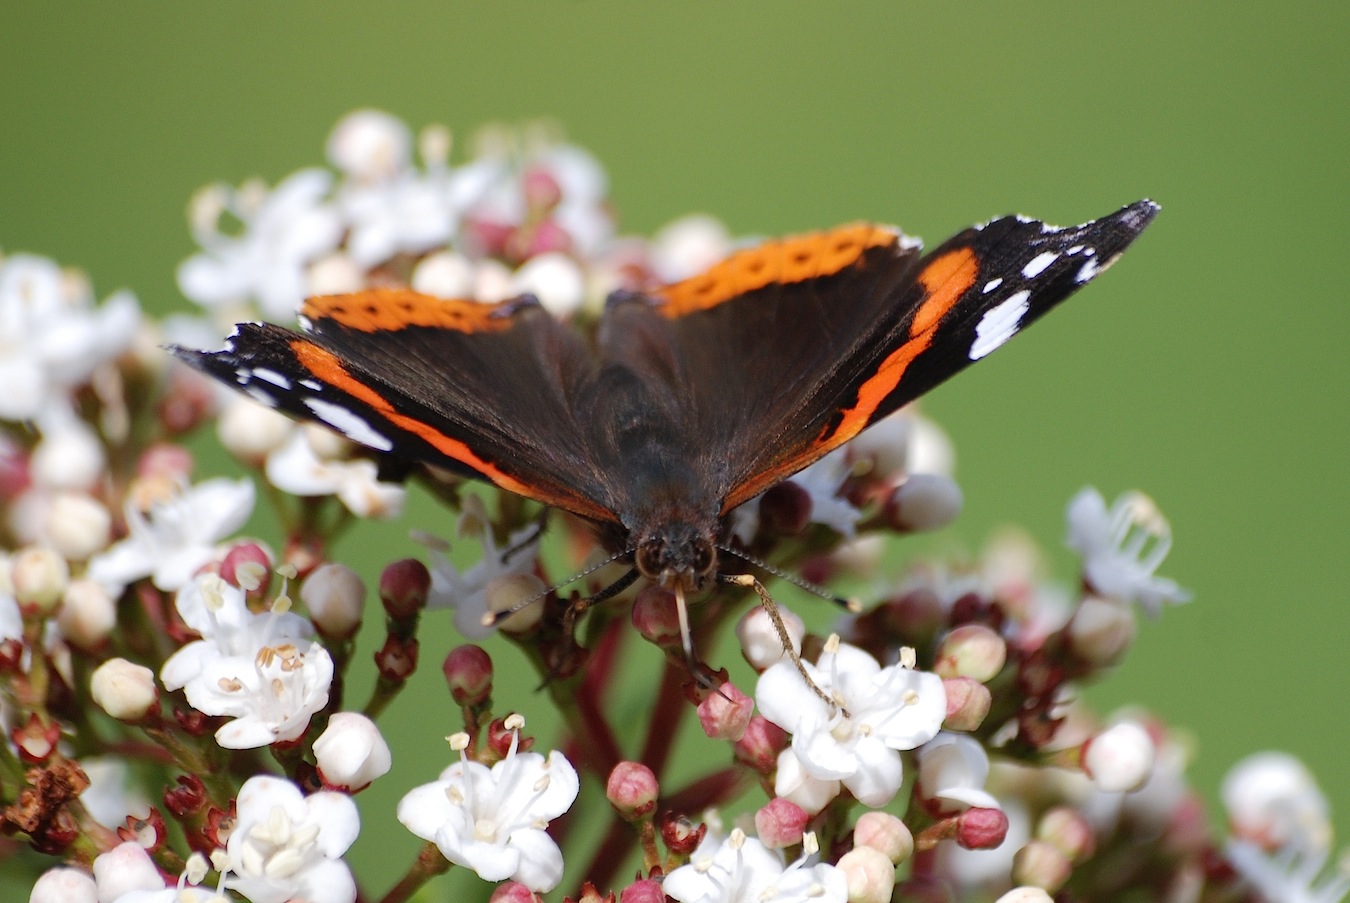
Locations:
(695, 397)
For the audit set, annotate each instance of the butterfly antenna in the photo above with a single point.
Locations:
(493, 618)
(852, 606)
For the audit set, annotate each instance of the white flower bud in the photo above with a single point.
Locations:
(64, 885)
(925, 501)
(688, 246)
(760, 643)
(1120, 758)
(351, 752)
(88, 614)
(444, 274)
(124, 690)
(370, 145)
(78, 525)
(336, 274)
(1025, 895)
(555, 279)
(1102, 630)
(870, 874)
(506, 591)
(124, 869)
(70, 458)
(39, 577)
(335, 598)
(883, 831)
(250, 430)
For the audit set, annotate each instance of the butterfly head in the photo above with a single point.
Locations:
(677, 555)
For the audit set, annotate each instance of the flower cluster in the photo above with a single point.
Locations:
(933, 746)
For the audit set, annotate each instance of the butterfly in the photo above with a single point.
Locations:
(693, 397)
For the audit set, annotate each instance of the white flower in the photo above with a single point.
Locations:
(52, 338)
(283, 231)
(260, 669)
(287, 846)
(740, 869)
(876, 712)
(126, 869)
(492, 820)
(953, 768)
(177, 537)
(297, 468)
(1273, 800)
(1289, 875)
(793, 783)
(111, 795)
(467, 593)
(1122, 547)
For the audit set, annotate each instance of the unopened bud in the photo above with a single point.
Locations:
(335, 597)
(125, 869)
(870, 875)
(403, 588)
(968, 702)
(644, 890)
(784, 510)
(725, 713)
(971, 650)
(1025, 895)
(981, 829)
(65, 885)
(521, 594)
(124, 690)
(883, 831)
(1120, 758)
(632, 790)
(88, 614)
(780, 823)
(1041, 865)
(251, 431)
(38, 576)
(924, 501)
(760, 745)
(655, 616)
(468, 671)
(1065, 829)
(1102, 630)
(760, 642)
(514, 892)
(78, 525)
(351, 752)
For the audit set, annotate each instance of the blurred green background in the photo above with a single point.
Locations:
(1209, 369)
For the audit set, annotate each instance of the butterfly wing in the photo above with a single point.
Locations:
(813, 339)
(484, 390)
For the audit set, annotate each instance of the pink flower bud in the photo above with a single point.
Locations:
(883, 831)
(924, 501)
(514, 892)
(541, 189)
(971, 650)
(644, 890)
(968, 702)
(760, 745)
(870, 875)
(64, 885)
(632, 790)
(725, 713)
(760, 643)
(335, 597)
(1102, 630)
(247, 566)
(780, 823)
(981, 829)
(124, 690)
(39, 577)
(1120, 758)
(468, 671)
(1065, 829)
(351, 753)
(403, 588)
(784, 510)
(1041, 865)
(655, 617)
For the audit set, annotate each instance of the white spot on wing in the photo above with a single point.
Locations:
(259, 395)
(347, 423)
(1087, 270)
(271, 376)
(999, 324)
(1039, 263)
(991, 285)
(312, 384)
(1074, 250)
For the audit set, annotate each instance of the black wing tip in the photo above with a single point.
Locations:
(1138, 215)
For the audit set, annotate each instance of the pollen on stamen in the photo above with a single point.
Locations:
(514, 722)
(230, 684)
(910, 697)
(908, 658)
(458, 742)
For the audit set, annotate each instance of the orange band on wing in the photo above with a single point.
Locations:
(944, 280)
(329, 369)
(788, 260)
(389, 309)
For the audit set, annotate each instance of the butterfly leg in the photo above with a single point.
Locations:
(771, 609)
